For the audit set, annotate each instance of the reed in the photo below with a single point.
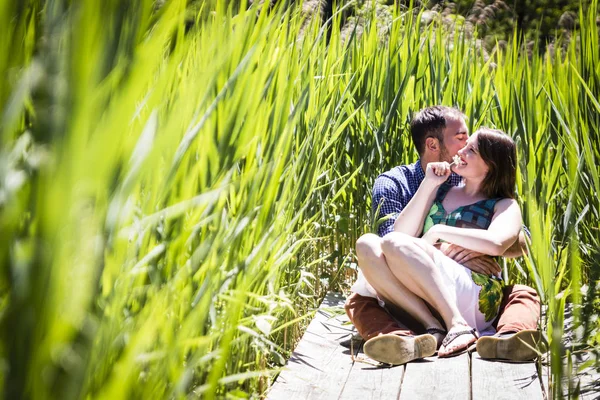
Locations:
(176, 199)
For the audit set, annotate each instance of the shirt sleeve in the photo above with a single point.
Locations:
(389, 200)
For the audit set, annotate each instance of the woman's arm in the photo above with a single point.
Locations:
(518, 248)
(412, 217)
(500, 235)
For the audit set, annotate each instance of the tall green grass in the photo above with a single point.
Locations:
(175, 199)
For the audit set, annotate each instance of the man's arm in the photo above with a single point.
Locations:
(389, 200)
(475, 261)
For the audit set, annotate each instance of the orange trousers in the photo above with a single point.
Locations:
(520, 309)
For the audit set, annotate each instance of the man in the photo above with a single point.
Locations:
(438, 133)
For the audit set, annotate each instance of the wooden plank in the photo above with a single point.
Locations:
(507, 381)
(437, 378)
(319, 367)
(368, 381)
(322, 369)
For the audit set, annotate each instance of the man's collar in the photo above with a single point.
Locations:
(419, 170)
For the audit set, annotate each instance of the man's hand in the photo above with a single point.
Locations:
(484, 265)
(476, 262)
(459, 254)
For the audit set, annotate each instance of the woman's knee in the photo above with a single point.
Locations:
(368, 246)
(426, 247)
(396, 244)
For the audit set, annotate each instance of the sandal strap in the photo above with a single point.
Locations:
(432, 331)
(451, 336)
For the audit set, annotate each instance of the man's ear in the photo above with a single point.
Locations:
(432, 144)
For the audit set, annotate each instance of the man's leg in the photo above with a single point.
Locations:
(387, 340)
(520, 309)
(517, 337)
(370, 319)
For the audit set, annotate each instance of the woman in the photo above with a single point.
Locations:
(482, 215)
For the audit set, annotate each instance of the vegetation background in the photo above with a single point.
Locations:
(181, 182)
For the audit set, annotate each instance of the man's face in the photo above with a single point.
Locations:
(455, 138)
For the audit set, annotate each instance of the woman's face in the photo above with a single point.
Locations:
(471, 165)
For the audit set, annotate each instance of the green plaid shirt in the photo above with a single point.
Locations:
(477, 215)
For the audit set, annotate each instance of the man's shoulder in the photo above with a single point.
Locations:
(400, 174)
(400, 171)
(399, 179)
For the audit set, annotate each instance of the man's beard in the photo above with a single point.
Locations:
(444, 154)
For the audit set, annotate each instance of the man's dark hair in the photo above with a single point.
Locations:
(430, 122)
(499, 152)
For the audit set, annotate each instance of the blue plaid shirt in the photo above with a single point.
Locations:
(394, 189)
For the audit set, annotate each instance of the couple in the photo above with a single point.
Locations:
(431, 264)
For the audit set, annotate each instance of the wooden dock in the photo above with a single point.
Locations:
(321, 368)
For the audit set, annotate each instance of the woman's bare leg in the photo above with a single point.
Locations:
(374, 266)
(414, 266)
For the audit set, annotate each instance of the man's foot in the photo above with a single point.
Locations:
(457, 340)
(396, 350)
(521, 346)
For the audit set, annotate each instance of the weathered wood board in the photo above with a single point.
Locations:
(367, 381)
(320, 368)
(437, 378)
(507, 381)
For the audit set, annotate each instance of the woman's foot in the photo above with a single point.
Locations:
(458, 340)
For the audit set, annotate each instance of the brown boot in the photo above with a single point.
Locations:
(396, 349)
(525, 345)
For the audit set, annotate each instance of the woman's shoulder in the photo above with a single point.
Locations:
(505, 203)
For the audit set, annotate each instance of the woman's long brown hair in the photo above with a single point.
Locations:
(499, 152)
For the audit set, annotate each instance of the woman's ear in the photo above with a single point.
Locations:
(432, 144)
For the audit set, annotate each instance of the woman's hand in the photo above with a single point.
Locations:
(437, 173)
